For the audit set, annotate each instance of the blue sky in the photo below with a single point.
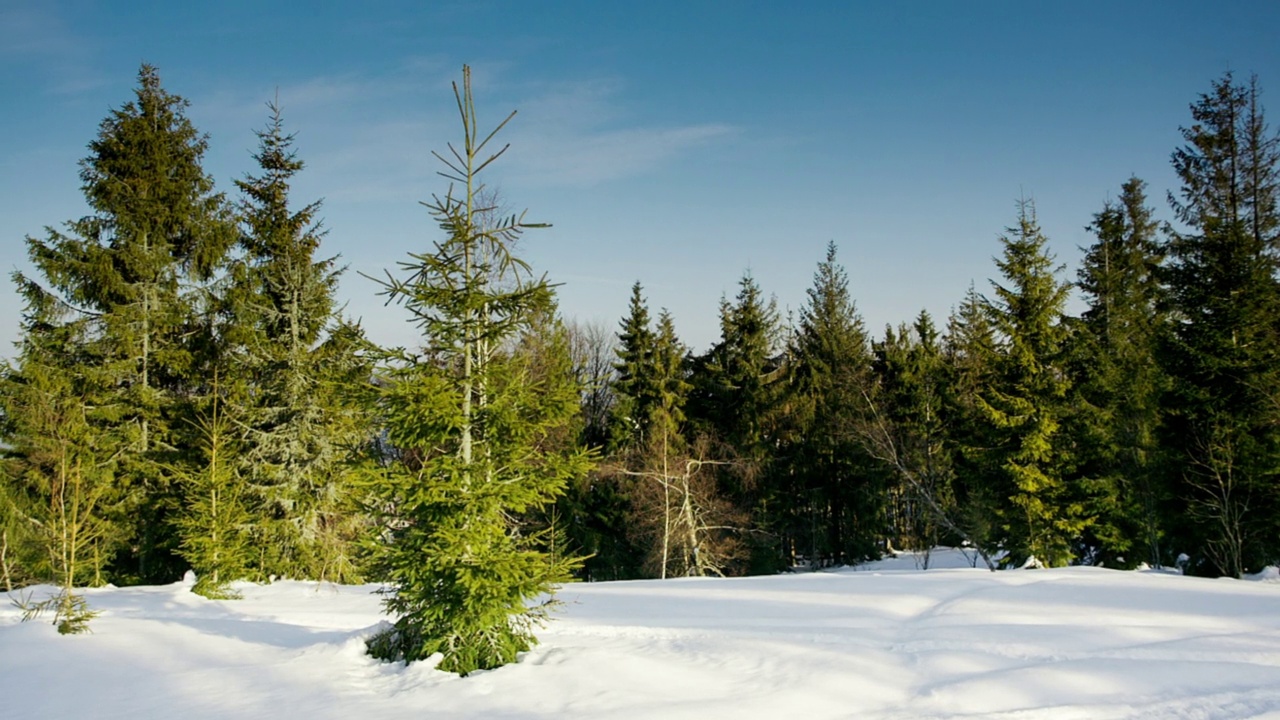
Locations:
(676, 143)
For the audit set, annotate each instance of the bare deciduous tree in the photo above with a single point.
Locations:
(691, 530)
(1221, 500)
(592, 345)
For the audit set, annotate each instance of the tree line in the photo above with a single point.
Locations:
(1142, 431)
(187, 395)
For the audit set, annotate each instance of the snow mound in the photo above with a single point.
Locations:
(1269, 574)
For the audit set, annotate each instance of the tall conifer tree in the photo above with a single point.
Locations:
(470, 426)
(735, 399)
(650, 387)
(667, 417)
(969, 353)
(1224, 355)
(909, 412)
(635, 384)
(627, 516)
(135, 266)
(301, 364)
(1026, 401)
(734, 390)
(835, 495)
(1119, 382)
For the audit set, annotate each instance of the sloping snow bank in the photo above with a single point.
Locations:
(1268, 574)
(884, 643)
(940, 558)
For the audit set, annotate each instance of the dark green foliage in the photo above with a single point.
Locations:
(834, 503)
(734, 401)
(650, 384)
(600, 526)
(908, 432)
(156, 232)
(188, 395)
(1119, 384)
(667, 417)
(302, 367)
(1026, 401)
(733, 391)
(680, 519)
(607, 517)
(473, 422)
(1223, 354)
(969, 350)
(634, 385)
(626, 507)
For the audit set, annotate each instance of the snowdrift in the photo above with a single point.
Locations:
(878, 642)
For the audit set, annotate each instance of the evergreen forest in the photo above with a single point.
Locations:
(187, 395)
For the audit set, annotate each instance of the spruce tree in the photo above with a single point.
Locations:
(650, 385)
(1223, 354)
(469, 423)
(301, 419)
(635, 384)
(1026, 401)
(626, 519)
(135, 266)
(1118, 381)
(733, 383)
(835, 495)
(734, 400)
(678, 512)
(59, 464)
(667, 416)
(912, 437)
(970, 353)
(215, 519)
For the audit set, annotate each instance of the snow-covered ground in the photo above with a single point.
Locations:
(884, 641)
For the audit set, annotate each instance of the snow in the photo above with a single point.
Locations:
(881, 641)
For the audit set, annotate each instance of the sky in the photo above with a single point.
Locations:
(678, 144)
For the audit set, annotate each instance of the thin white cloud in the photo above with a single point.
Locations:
(370, 138)
(580, 134)
(594, 157)
(33, 31)
(326, 98)
(585, 103)
(36, 33)
(325, 92)
(384, 161)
